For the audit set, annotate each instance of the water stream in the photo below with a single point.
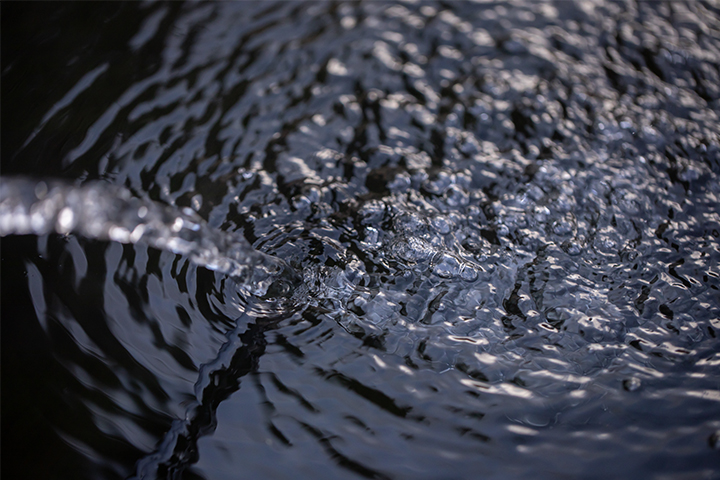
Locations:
(103, 212)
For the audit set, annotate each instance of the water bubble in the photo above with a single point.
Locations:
(400, 183)
(442, 225)
(541, 213)
(359, 301)
(301, 202)
(632, 384)
(563, 226)
(372, 211)
(439, 184)
(472, 245)
(571, 247)
(245, 174)
(456, 197)
(410, 223)
(468, 272)
(196, 202)
(41, 190)
(412, 249)
(66, 220)
(372, 237)
(629, 254)
(446, 265)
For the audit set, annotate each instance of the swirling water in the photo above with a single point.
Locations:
(504, 219)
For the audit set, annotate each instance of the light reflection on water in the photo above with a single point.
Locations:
(505, 221)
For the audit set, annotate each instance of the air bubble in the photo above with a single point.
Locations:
(632, 384)
(372, 211)
(196, 201)
(301, 202)
(412, 249)
(468, 273)
(446, 266)
(562, 227)
(66, 220)
(456, 197)
(372, 237)
(41, 190)
(439, 184)
(400, 183)
(410, 223)
(571, 248)
(441, 225)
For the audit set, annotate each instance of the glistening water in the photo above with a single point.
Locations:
(417, 240)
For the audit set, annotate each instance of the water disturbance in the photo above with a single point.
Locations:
(407, 240)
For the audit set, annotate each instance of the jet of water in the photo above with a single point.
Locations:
(101, 211)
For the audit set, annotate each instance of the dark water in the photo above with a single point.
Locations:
(503, 219)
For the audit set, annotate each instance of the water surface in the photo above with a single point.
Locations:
(498, 223)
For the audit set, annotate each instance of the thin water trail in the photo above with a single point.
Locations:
(100, 211)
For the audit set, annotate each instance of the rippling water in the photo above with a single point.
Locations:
(346, 240)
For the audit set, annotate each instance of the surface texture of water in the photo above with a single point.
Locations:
(503, 221)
